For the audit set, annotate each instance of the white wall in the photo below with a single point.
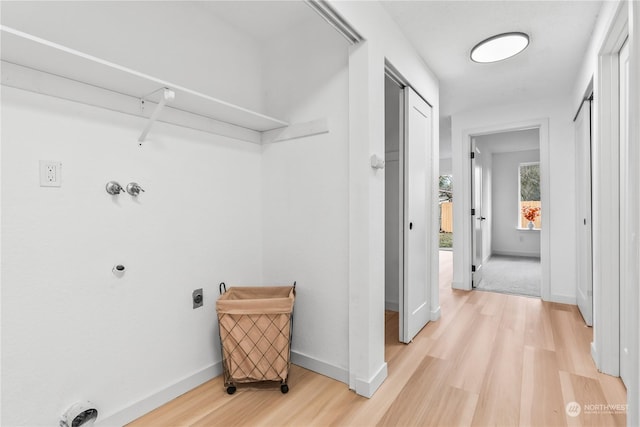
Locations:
(507, 238)
(558, 113)
(446, 167)
(384, 40)
(70, 329)
(445, 137)
(306, 198)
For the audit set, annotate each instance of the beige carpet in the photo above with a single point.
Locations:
(512, 275)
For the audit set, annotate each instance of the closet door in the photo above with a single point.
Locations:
(583, 196)
(415, 307)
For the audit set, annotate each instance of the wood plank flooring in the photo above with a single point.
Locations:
(491, 360)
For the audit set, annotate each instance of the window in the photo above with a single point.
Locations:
(529, 209)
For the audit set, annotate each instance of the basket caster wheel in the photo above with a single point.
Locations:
(284, 388)
(231, 389)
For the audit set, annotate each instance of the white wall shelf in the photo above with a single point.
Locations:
(35, 53)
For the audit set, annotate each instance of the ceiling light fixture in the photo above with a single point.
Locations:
(499, 47)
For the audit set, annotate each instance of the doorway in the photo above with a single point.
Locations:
(393, 198)
(408, 215)
(506, 212)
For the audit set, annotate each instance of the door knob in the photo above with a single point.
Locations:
(410, 226)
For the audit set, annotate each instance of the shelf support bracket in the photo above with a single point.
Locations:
(167, 95)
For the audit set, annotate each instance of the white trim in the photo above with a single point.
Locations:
(594, 351)
(160, 397)
(368, 387)
(436, 313)
(606, 199)
(366, 215)
(459, 285)
(633, 386)
(319, 366)
(562, 299)
(336, 20)
(463, 207)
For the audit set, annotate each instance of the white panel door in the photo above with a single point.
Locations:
(415, 307)
(626, 260)
(583, 196)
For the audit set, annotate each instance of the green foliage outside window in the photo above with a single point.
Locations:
(530, 182)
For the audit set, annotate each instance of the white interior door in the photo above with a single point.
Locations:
(414, 310)
(626, 261)
(583, 196)
(477, 219)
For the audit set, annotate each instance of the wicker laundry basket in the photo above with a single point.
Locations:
(255, 334)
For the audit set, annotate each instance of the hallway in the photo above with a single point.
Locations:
(492, 359)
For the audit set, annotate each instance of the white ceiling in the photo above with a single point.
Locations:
(443, 32)
(262, 19)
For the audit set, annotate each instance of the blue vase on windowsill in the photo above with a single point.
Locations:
(530, 225)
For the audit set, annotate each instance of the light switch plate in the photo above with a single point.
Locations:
(50, 173)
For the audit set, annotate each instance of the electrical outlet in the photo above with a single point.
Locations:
(50, 174)
(197, 298)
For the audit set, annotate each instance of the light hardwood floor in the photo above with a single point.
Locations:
(491, 360)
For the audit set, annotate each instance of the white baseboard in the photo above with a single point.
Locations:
(369, 387)
(435, 314)
(459, 285)
(159, 398)
(320, 367)
(563, 299)
(594, 355)
(515, 253)
(392, 306)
